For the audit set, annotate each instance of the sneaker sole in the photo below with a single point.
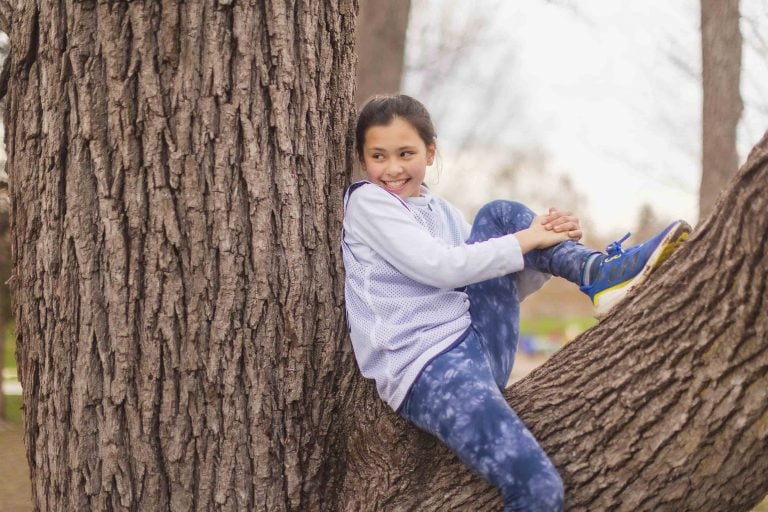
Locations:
(605, 300)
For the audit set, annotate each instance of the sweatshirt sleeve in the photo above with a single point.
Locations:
(380, 220)
(461, 221)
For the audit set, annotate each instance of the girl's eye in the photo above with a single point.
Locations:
(406, 153)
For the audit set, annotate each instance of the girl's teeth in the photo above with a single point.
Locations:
(396, 183)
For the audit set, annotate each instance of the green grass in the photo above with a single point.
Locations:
(12, 403)
(9, 357)
(13, 408)
(544, 326)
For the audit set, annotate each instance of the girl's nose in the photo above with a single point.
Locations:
(395, 167)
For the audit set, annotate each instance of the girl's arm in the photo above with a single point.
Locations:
(540, 236)
(380, 221)
(458, 217)
(556, 225)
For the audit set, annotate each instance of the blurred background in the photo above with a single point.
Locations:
(595, 106)
(614, 110)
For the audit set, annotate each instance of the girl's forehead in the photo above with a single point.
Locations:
(398, 131)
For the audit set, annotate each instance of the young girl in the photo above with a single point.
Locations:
(433, 303)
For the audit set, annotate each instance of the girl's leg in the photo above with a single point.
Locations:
(494, 305)
(457, 399)
(500, 217)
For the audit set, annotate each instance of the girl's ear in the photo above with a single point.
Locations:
(431, 149)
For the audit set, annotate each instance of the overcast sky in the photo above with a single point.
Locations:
(608, 90)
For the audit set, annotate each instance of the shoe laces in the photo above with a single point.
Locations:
(615, 247)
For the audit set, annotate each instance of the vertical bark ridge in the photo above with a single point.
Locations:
(179, 299)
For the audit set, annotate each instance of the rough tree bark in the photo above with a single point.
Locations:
(381, 29)
(661, 407)
(176, 174)
(721, 44)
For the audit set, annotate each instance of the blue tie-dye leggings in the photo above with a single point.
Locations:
(457, 397)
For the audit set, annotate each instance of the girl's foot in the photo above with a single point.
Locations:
(611, 276)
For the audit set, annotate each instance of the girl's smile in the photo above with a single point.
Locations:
(396, 158)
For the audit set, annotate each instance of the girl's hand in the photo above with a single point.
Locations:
(548, 230)
(562, 222)
(539, 237)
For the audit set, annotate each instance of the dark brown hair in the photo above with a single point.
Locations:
(382, 110)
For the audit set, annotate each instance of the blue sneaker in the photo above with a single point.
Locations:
(621, 270)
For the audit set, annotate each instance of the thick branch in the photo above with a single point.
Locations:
(662, 406)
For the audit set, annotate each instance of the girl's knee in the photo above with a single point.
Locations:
(512, 214)
(505, 207)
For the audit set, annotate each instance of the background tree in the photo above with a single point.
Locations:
(380, 45)
(721, 44)
(648, 223)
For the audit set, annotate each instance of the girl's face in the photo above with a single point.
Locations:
(396, 158)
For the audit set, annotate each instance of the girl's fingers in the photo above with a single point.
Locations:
(543, 220)
(566, 225)
(560, 216)
(554, 213)
(560, 221)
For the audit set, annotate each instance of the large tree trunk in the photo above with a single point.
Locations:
(661, 407)
(176, 173)
(381, 31)
(176, 176)
(721, 44)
